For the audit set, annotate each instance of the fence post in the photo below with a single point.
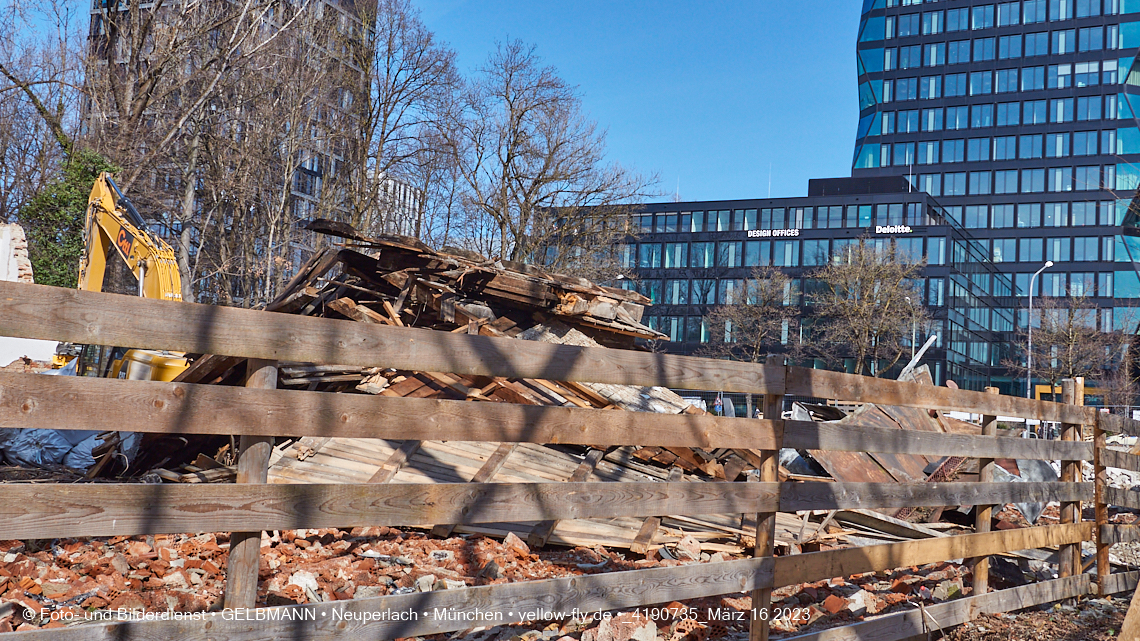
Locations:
(1072, 393)
(253, 467)
(984, 514)
(766, 521)
(1100, 481)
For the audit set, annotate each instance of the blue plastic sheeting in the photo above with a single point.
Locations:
(71, 448)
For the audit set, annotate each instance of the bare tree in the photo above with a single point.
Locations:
(757, 322)
(866, 306)
(537, 187)
(1068, 342)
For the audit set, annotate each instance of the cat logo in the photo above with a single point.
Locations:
(125, 241)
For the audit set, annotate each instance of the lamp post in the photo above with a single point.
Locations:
(913, 333)
(1029, 351)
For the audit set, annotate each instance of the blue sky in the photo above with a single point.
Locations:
(709, 95)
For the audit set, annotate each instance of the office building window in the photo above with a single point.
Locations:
(1030, 250)
(1005, 147)
(953, 150)
(786, 253)
(1032, 11)
(954, 184)
(757, 253)
(904, 153)
(1088, 178)
(982, 17)
(984, 49)
(958, 19)
(930, 87)
(978, 149)
(932, 119)
(1056, 145)
(907, 122)
(1061, 110)
(698, 221)
(1082, 283)
(1060, 179)
(1060, 10)
(1030, 146)
(957, 118)
(1002, 216)
(1064, 41)
(1053, 284)
(1034, 112)
(1036, 44)
(977, 217)
(936, 54)
(1086, 74)
(1086, 8)
(1006, 80)
(1088, 108)
(649, 255)
(1084, 213)
(1032, 181)
(1085, 250)
(1090, 39)
(815, 253)
(1028, 215)
(982, 116)
(981, 83)
(704, 291)
(1005, 181)
(910, 57)
(1059, 76)
(1084, 143)
(909, 25)
(928, 153)
(702, 255)
(730, 291)
(1008, 13)
(954, 85)
(1032, 78)
(1004, 250)
(932, 23)
(676, 255)
(1057, 249)
(729, 254)
(1008, 113)
(929, 183)
(1056, 214)
(979, 183)
(958, 52)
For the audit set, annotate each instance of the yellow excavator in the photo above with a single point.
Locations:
(115, 228)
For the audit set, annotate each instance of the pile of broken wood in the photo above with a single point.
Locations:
(399, 281)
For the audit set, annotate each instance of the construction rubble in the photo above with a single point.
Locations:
(398, 281)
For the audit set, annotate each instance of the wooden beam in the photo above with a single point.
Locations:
(984, 514)
(1072, 393)
(1121, 497)
(179, 408)
(395, 461)
(649, 526)
(920, 623)
(252, 467)
(541, 532)
(795, 497)
(48, 511)
(484, 474)
(1121, 460)
(866, 389)
(804, 435)
(769, 460)
(381, 617)
(1131, 628)
(1112, 534)
(1118, 582)
(1100, 508)
(37, 311)
(816, 566)
(1118, 424)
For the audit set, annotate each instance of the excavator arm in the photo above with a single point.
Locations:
(114, 226)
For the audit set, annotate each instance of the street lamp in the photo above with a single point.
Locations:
(912, 329)
(1029, 369)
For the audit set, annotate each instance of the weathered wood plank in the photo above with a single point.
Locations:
(840, 496)
(648, 530)
(1122, 497)
(866, 389)
(484, 474)
(49, 511)
(54, 313)
(1118, 424)
(1119, 582)
(395, 461)
(910, 624)
(1113, 534)
(1122, 460)
(806, 435)
(541, 532)
(816, 566)
(177, 408)
(380, 618)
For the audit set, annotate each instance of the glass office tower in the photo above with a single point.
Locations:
(1019, 118)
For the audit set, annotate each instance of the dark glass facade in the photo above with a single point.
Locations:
(690, 257)
(1019, 118)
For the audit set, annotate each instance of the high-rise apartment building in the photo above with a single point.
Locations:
(1019, 118)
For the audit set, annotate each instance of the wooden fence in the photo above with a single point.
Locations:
(259, 411)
